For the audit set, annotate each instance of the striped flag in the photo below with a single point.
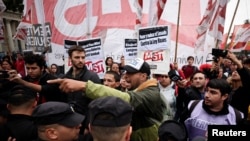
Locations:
(157, 9)
(240, 37)
(138, 5)
(216, 28)
(223, 44)
(21, 33)
(160, 7)
(204, 25)
(213, 20)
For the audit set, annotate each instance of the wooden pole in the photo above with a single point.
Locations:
(177, 31)
(217, 44)
(231, 24)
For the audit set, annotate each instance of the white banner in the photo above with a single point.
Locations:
(154, 38)
(94, 55)
(130, 49)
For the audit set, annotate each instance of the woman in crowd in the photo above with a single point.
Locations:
(115, 67)
(7, 65)
(108, 62)
(167, 94)
(55, 71)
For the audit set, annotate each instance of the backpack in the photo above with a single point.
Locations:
(237, 112)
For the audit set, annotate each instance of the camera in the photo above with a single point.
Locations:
(219, 52)
(4, 74)
(173, 76)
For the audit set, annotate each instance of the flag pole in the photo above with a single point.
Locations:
(32, 30)
(88, 16)
(177, 31)
(231, 24)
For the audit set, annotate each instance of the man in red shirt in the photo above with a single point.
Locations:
(189, 69)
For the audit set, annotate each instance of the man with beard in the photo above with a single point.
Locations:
(80, 72)
(213, 110)
(144, 96)
(195, 91)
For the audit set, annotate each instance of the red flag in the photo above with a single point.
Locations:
(213, 20)
(21, 32)
(138, 5)
(157, 7)
(241, 37)
(204, 24)
(160, 8)
(223, 44)
(216, 28)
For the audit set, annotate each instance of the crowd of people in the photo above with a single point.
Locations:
(38, 102)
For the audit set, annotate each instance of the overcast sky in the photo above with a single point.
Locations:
(242, 13)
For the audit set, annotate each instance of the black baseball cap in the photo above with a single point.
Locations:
(56, 113)
(110, 111)
(172, 129)
(137, 65)
(20, 94)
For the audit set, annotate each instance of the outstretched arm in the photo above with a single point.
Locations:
(69, 85)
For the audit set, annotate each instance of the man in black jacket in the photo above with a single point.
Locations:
(21, 103)
(79, 71)
(195, 91)
(36, 79)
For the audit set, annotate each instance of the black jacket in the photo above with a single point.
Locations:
(50, 92)
(240, 98)
(20, 127)
(79, 101)
(185, 95)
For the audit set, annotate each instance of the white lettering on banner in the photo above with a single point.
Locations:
(130, 50)
(161, 33)
(35, 37)
(154, 38)
(131, 45)
(115, 8)
(92, 44)
(153, 55)
(92, 48)
(88, 64)
(142, 37)
(70, 27)
(98, 67)
(62, 24)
